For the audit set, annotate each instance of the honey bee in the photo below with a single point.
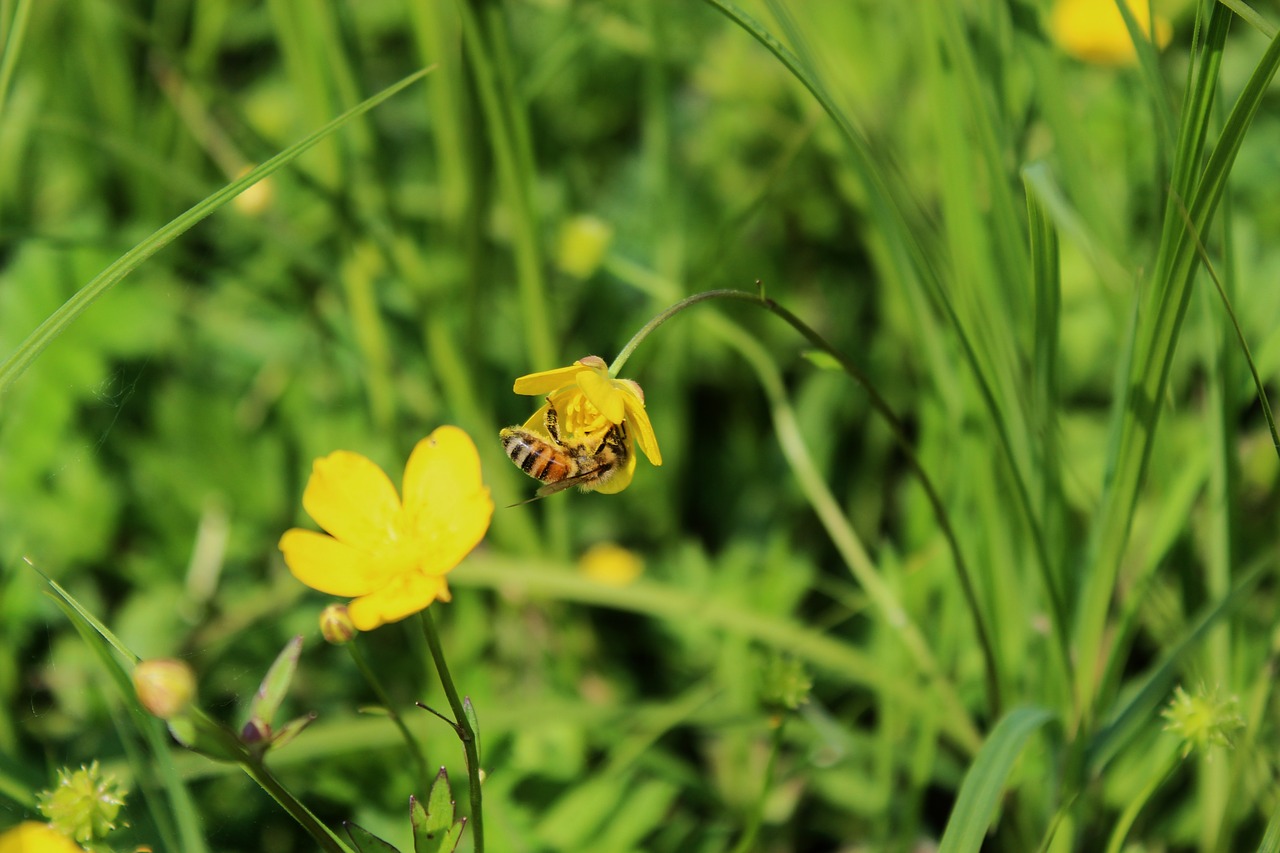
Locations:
(562, 465)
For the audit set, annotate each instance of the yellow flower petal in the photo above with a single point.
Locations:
(447, 507)
(638, 425)
(33, 837)
(407, 593)
(1094, 30)
(537, 422)
(597, 387)
(353, 499)
(329, 566)
(540, 384)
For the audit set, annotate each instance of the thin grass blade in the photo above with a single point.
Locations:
(27, 352)
(984, 784)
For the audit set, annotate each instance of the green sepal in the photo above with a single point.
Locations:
(434, 830)
(276, 683)
(469, 710)
(290, 730)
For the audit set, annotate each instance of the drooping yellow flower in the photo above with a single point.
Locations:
(392, 555)
(34, 837)
(588, 404)
(1094, 30)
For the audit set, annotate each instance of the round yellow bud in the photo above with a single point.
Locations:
(165, 686)
(336, 626)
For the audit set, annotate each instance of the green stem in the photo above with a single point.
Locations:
(462, 725)
(756, 819)
(216, 741)
(424, 777)
(896, 426)
(328, 841)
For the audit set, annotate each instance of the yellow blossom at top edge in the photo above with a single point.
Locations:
(34, 837)
(1094, 30)
(391, 554)
(588, 402)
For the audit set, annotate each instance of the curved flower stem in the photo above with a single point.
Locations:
(216, 741)
(461, 725)
(424, 777)
(899, 432)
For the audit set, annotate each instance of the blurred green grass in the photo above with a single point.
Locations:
(402, 273)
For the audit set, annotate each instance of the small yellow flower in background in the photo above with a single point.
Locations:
(583, 242)
(588, 405)
(610, 564)
(1094, 30)
(165, 686)
(83, 805)
(254, 200)
(34, 837)
(391, 555)
(1203, 720)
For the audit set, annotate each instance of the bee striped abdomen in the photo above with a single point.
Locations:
(535, 457)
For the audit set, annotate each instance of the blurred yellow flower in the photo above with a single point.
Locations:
(391, 555)
(33, 837)
(583, 242)
(1094, 30)
(588, 404)
(610, 564)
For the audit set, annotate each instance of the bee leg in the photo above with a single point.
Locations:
(617, 436)
(553, 422)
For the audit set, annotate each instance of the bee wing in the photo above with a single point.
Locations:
(566, 483)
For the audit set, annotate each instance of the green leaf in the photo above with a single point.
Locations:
(434, 829)
(983, 785)
(1271, 840)
(365, 841)
(440, 804)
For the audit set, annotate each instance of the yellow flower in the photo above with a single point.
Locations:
(33, 837)
(589, 403)
(1094, 30)
(611, 565)
(392, 556)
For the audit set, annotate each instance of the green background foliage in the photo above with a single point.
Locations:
(993, 233)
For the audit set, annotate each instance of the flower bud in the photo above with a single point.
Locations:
(336, 626)
(256, 732)
(165, 686)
